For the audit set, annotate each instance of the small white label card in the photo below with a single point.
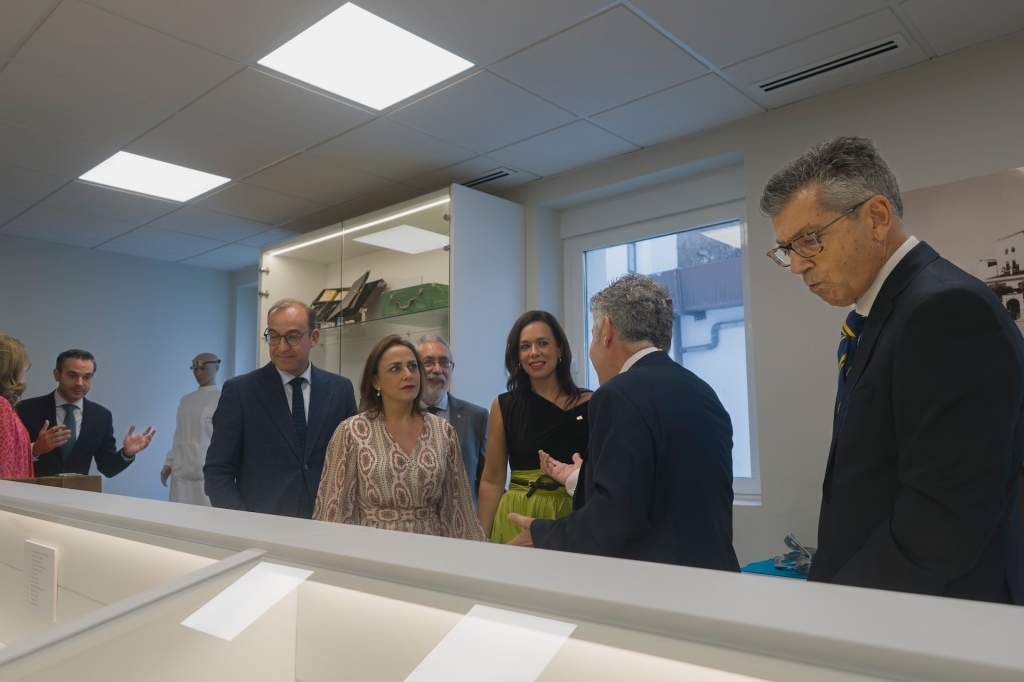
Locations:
(39, 572)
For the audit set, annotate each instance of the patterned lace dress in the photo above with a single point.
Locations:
(369, 480)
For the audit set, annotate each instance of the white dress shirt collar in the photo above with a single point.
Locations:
(59, 399)
(635, 358)
(868, 299)
(442, 404)
(307, 375)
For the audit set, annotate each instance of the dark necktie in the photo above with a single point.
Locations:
(848, 339)
(299, 419)
(69, 421)
(434, 409)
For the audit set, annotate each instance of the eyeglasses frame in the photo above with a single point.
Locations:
(816, 235)
(284, 337)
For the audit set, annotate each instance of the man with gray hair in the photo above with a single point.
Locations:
(469, 420)
(272, 425)
(921, 482)
(657, 478)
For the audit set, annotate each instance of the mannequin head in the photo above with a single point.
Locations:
(204, 369)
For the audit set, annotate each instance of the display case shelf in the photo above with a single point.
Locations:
(410, 326)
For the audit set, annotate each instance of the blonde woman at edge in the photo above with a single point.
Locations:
(394, 465)
(15, 442)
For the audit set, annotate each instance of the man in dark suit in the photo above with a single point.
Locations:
(469, 420)
(928, 427)
(657, 478)
(272, 425)
(71, 432)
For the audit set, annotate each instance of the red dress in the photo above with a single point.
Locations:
(15, 444)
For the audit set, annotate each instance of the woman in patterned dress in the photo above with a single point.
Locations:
(394, 465)
(15, 443)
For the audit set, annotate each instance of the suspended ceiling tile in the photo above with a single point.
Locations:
(728, 31)
(257, 203)
(202, 147)
(950, 25)
(53, 237)
(482, 112)
(196, 221)
(201, 262)
(269, 237)
(280, 113)
(47, 153)
(609, 60)
(16, 17)
(50, 219)
(240, 29)
(390, 150)
(555, 151)
(704, 103)
(109, 203)
(460, 172)
(483, 30)
(26, 185)
(238, 255)
(150, 254)
(10, 208)
(315, 179)
(184, 245)
(94, 47)
(46, 102)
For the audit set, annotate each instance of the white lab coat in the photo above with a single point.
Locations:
(191, 439)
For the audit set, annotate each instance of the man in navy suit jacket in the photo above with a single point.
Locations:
(920, 491)
(657, 479)
(69, 431)
(272, 425)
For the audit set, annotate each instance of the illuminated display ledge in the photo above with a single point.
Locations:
(741, 625)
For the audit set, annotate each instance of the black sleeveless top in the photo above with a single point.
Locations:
(558, 432)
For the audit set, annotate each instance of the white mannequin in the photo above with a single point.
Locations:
(184, 465)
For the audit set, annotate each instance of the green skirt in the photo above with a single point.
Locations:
(542, 504)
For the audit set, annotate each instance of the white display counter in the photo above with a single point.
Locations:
(380, 605)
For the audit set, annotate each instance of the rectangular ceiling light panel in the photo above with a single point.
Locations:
(405, 238)
(155, 178)
(361, 57)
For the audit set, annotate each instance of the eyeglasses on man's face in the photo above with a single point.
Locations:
(809, 245)
(201, 364)
(292, 338)
(443, 363)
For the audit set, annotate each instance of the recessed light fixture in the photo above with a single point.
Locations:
(155, 178)
(361, 57)
(356, 228)
(405, 238)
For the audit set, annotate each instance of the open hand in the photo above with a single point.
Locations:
(50, 438)
(135, 443)
(524, 539)
(559, 470)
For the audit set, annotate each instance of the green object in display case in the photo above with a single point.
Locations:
(414, 299)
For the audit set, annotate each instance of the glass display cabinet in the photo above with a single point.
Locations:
(177, 592)
(449, 263)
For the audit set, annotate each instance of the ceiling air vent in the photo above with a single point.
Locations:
(832, 64)
(489, 176)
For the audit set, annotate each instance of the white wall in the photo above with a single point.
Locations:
(144, 321)
(949, 119)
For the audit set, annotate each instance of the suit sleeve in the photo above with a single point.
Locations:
(619, 500)
(224, 455)
(109, 460)
(481, 443)
(957, 389)
(351, 408)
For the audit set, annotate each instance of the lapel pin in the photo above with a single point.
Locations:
(579, 418)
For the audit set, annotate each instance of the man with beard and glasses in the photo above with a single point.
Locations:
(469, 420)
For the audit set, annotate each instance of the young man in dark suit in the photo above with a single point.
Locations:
(71, 432)
(657, 479)
(272, 425)
(469, 420)
(920, 487)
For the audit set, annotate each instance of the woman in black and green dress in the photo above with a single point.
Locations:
(543, 410)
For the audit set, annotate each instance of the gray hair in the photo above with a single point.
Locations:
(845, 171)
(286, 303)
(639, 307)
(435, 338)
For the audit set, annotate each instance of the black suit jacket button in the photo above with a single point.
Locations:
(305, 467)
